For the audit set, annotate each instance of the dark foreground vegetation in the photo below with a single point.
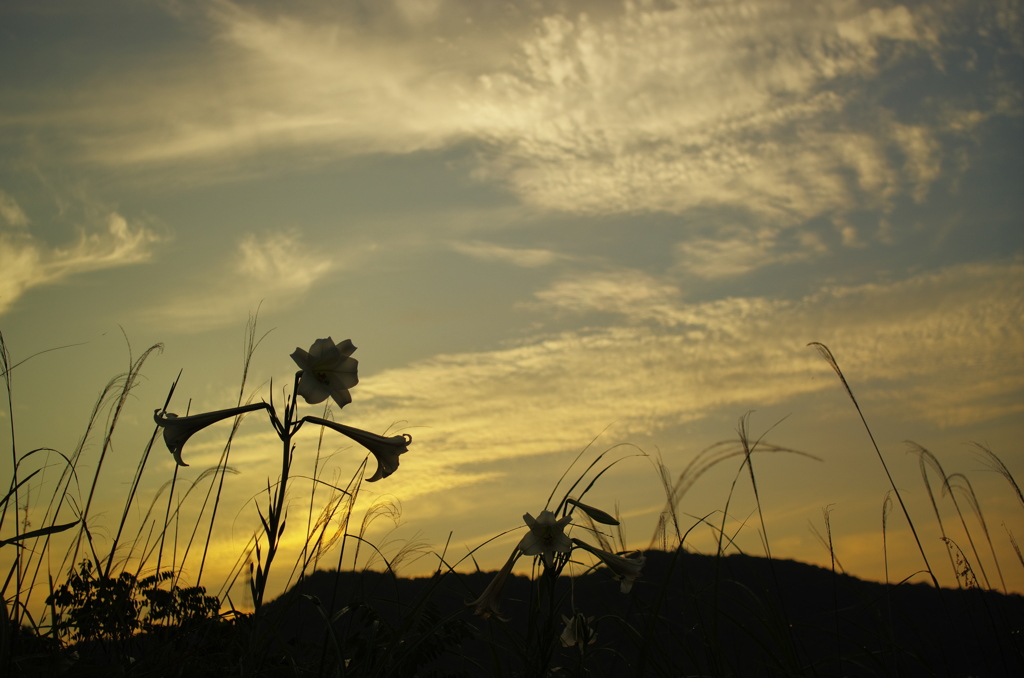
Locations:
(690, 615)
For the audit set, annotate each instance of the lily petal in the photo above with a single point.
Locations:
(624, 568)
(578, 631)
(487, 604)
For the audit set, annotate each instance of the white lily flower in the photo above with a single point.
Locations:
(327, 370)
(545, 537)
(385, 449)
(578, 631)
(487, 604)
(177, 430)
(624, 568)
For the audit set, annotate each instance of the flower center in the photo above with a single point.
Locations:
(322, 377)
(547, 534)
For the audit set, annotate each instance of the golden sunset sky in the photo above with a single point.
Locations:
(542, 224)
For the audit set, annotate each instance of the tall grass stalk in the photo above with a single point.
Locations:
(128, 382)
(133, 489)
(926, 459)
(886, 510)
(251, 344)
(830, 359)
(827, 515)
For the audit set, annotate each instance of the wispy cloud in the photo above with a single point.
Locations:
(774, 113)
(734, 103)
(524, 257)
(27, 262)
(270, 269)
(674, 362)
(736, 251)
(626, 292)
(602, 107)
(10, 211)
(334, 82)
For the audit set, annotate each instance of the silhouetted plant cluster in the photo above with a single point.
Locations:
(90, 606)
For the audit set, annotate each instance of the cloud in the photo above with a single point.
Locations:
(732, 103)
(10, 211)
(279, 257)
(736, 251)
(672, 362)
(630, 293)
(271, 269)
(588, 108)
(28, 263)
(333, 82)
(764, 109)
(526, 258)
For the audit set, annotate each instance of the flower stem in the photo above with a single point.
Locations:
(274, 524)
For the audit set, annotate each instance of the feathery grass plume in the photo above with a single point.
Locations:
(704, 461)
(963, 485)
(964, 570)
(1013, 543)
(996, 464)
(830, 359)
(926, 459)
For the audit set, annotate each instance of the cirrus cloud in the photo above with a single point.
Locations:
(28, 262)
(523, 257)
(267, 270)
(671, 362)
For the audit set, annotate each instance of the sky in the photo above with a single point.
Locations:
(549, 228)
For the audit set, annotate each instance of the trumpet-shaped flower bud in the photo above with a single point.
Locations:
(487, 604)
(596, 514)
(385, 449)
(177, 430)
(624, 568)
(545, 537)
(327, 370)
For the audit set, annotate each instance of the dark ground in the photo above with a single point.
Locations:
(689, 615)
(696, 615)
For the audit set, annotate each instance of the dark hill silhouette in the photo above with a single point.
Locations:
(690, 615)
